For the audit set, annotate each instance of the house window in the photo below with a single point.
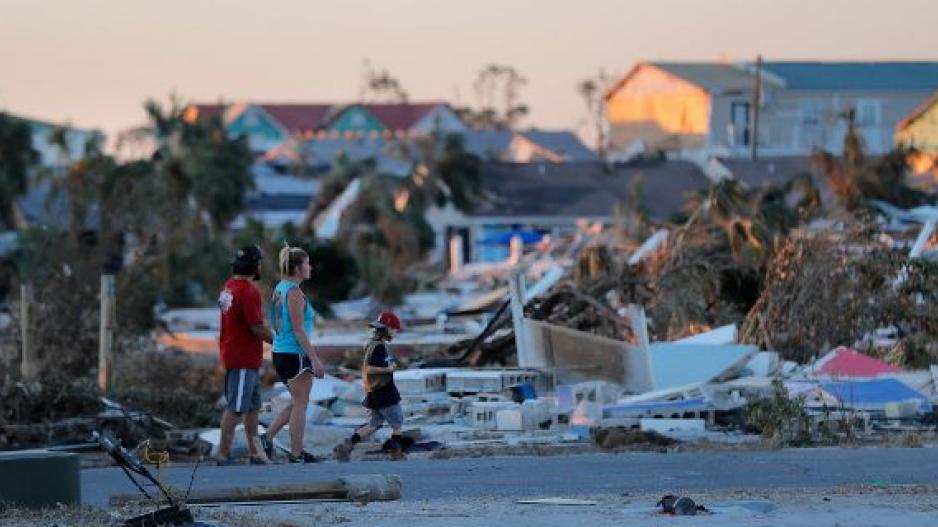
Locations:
(739, 124)
(810, 113)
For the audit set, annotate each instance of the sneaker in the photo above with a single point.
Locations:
(397, 454)
(226, 461)
(254, 460)
(343, 451)
(304, 457)
(267, 444)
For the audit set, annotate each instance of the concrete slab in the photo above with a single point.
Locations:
(664, 426)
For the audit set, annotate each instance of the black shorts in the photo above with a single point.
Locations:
(290, 365)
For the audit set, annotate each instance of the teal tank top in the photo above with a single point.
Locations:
(284, 339)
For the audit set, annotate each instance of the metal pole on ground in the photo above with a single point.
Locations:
(108, 327)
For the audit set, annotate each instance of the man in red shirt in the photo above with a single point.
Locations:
(243, 333)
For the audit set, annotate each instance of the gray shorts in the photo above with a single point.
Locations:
(393, 415)
(243, 390)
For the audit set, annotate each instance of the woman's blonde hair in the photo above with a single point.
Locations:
(290, 259)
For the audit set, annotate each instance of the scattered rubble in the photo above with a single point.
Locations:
(711, 328)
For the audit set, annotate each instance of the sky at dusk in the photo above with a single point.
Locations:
(94, 62)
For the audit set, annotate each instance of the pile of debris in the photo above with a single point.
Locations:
(827, 288)
(154, 396)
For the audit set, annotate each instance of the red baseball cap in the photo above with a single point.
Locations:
(387, 319)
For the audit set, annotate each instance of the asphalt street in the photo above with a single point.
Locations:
(573, 475)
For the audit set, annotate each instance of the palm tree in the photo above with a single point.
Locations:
(200, 164)
(17, 157)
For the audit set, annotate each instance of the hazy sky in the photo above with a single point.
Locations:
(93, 62)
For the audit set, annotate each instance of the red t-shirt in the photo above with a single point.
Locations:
(240, 304)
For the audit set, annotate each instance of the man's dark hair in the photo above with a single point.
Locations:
(247, 261)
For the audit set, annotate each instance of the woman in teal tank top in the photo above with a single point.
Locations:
(295, 359)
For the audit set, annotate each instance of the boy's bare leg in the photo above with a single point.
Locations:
(365, 432)
(250, 434)
(229, 420)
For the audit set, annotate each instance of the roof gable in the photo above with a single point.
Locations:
(254, 121)
(356, 118)
(928, 105)
(400, 117)
(300, 118)
(846, 362)
(563, 143)
(714, 77)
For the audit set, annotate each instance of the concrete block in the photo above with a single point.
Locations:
(521, 417)
(663, 426)
(483, 415)
(510, 420)
(39, 478)
(570, 395)
(587, 414)
(495, 381)
(421, 381)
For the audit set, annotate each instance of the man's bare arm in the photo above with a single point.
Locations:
(263, 332)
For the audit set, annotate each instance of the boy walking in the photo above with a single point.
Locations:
(381, 396)
(243, 334)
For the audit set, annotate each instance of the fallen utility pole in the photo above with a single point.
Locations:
(357, 488)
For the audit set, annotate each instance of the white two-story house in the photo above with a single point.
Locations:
(710, 107)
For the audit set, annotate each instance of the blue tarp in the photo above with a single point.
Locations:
(504, 238)
(874, 394)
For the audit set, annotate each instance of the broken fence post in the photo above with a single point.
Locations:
(640, 330)
(639, 324)
(28, 366)
(515, 249)
(923, 236)
(456, 256)
(108, 326)
(517, 293)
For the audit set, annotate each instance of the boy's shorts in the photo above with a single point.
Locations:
(243, 390)
(393, 415)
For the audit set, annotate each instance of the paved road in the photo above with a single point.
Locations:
(575, 474)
